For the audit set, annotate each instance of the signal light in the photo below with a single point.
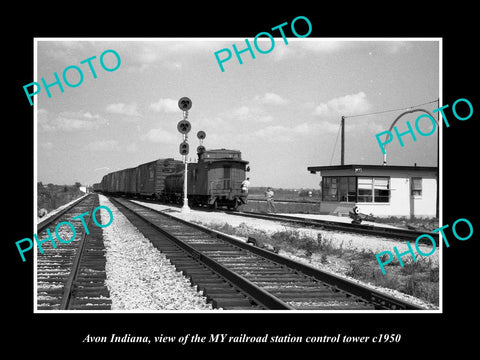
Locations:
(184, 148)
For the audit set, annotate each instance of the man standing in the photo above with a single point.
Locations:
(245, 185)
(270, 204)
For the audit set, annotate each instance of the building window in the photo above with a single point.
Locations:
(329, 189)
(365, 187)
(374, 189)
(339, 188)
(416, 186)
(381, 190)
(347, 188)
(356, 189)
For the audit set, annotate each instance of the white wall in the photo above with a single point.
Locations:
(402, 203)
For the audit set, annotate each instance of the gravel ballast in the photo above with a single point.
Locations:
(354, 242)
(348, 241)
(139, 277)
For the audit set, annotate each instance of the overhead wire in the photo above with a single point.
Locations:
(376, 113)
(392, 110)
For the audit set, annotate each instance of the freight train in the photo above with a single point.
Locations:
(214, 181)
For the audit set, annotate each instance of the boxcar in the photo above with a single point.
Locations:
(122, 182)
(150, 177)
(214, 180)
(131, 181)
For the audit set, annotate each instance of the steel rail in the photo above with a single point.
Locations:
(379, 299)
(313, 202)
(259, 295)
(74, 270)
(396, 233)
(45, 223)
(68, 288)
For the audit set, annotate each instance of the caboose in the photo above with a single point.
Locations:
(214, 180)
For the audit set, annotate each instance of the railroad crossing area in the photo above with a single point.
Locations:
(154, 257)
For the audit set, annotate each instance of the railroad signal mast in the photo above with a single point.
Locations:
(184, 128)
(201, 135)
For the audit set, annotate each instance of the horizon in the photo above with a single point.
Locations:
(281, 110)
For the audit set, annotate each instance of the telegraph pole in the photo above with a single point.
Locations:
(342, 154)
(184, 127)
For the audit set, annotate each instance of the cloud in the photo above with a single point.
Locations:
(248, 113)
(46, 145)
(270, 99)
(345, 105)
(306, 47)
(282, 52)
(160, 135)
(328, 127)
(69, 121)
(309, 47)
(103, 145)
(131, 148)
(123, 109)
(165, 105)
(275, 132)
(254, 112)
(393, 47)
(283, 133)
(171, 54)
(323, 46)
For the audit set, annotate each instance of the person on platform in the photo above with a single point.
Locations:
(270, 203)
(245, 185)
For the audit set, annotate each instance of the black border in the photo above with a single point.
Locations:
(44, 333)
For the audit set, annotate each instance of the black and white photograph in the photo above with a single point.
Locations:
(310, 234)
(273, 186)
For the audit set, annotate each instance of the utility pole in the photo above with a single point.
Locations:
(342, 158)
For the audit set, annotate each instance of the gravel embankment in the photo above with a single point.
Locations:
(355, 242)
(139, 277)
(55, 211)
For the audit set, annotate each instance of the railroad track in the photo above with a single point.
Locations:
(72, 276)
(365, 229)
(394, 233)
(235, 275)
(307, 202)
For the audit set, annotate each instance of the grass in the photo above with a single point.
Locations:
(292, 208)
(419, 279)
(421, 224)
(53, 196)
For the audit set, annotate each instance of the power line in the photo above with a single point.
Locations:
(386, 111)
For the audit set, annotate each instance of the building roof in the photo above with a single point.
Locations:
(314, 169)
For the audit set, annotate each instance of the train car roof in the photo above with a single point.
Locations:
(222, 150)
(224, 160)
(218, 155)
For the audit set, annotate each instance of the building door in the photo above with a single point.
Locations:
(227, 171)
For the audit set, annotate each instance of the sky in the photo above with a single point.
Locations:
(282, 109)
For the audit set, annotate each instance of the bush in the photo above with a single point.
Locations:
(419, 279)
(54, 196)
